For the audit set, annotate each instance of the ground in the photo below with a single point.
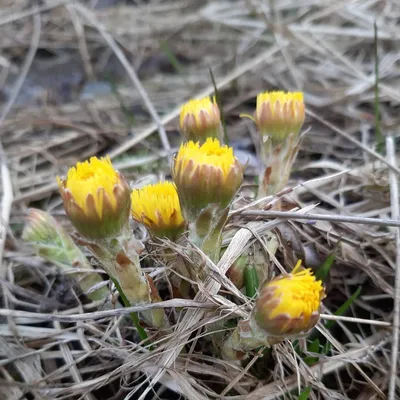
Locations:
(109, 77)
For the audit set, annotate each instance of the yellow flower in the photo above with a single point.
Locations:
(96, 198)
(206, 174)
(289, 304)
(200, 119)
(278, 114)
(157, 207)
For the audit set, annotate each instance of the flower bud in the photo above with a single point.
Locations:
(206, 174)
(200, 119)
(40, 227)
(53, 243)
(289, 304)
(96, 198)
(157, 208)
(279, 114)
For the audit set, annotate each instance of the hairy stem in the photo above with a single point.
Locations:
(134, 316)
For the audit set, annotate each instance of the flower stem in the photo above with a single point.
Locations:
(278, 159)
(206, 231)
(135, 318)
(124, 267)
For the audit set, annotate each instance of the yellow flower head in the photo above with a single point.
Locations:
(279, 114)
(200, 119)
(289, 304)
(206, 174)
(89, 177)
(157, 207)
(96, 198)
(210, 153)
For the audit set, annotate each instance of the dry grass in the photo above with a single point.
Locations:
(54, 347)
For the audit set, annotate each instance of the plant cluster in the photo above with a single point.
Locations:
(190, 211)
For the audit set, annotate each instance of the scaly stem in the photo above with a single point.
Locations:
(206, 231)
(278, 160)
(135, 318)
(124, 267)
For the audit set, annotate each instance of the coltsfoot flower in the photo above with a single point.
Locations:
(289, 304)
(53, 243)
(206, 174)
(278, 114)
(40, 227)
(201, 119)
(157, 208)
(96, 198)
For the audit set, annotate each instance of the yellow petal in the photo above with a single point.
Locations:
(88, 178)
(157, 207)
(289, 301)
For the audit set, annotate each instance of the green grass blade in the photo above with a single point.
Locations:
(313, 347)
(221, 111)
(305, 393)
(251, 281)
(322, 272)
(135, 319)
(344, 307)
(171, 56)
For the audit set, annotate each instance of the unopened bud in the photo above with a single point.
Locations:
(279, 114)
(200, 119)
